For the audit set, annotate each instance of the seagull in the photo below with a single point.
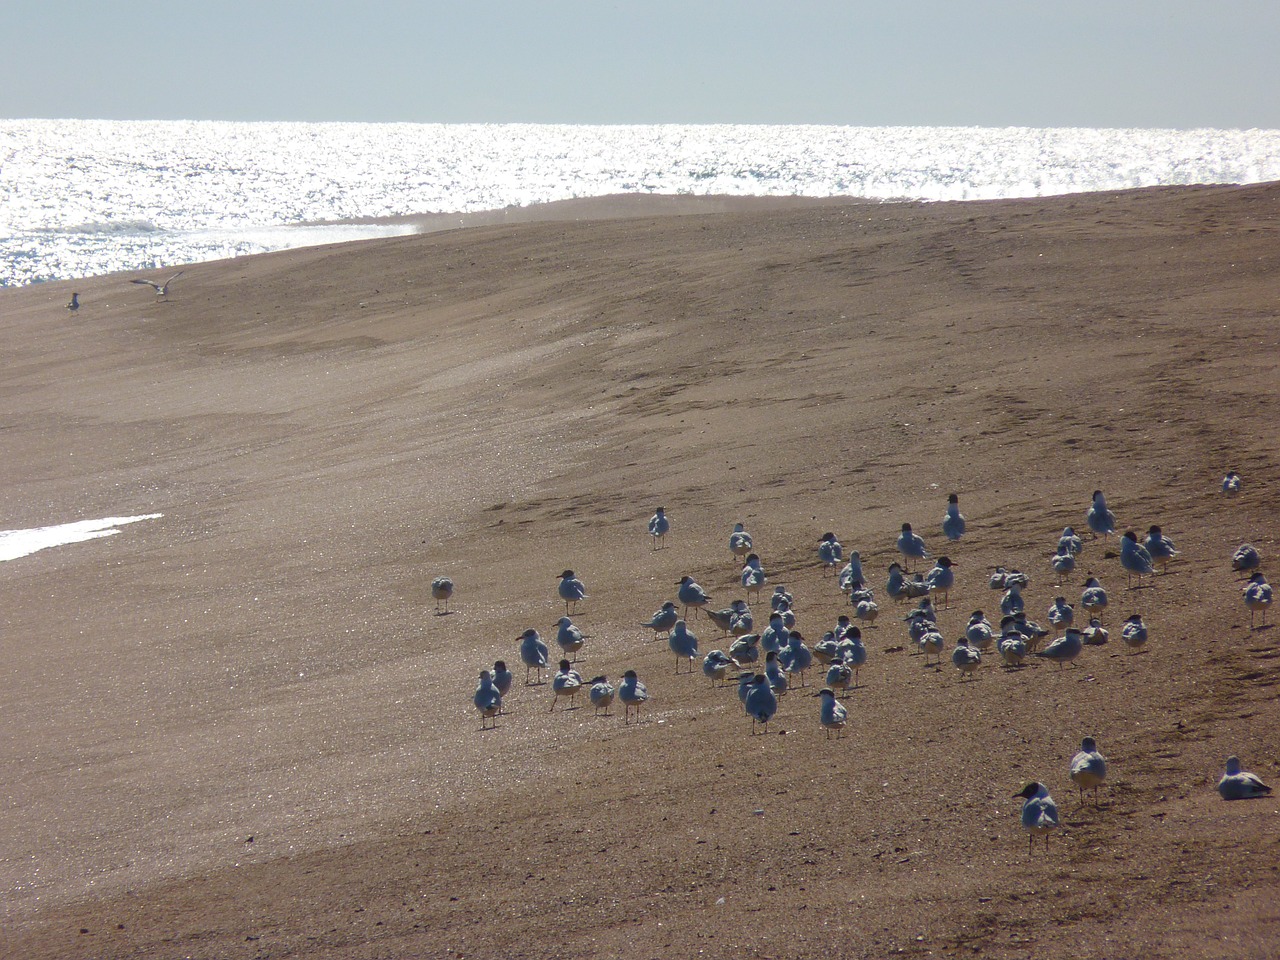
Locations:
(632, 694)
(716, 666)
(1236, 784)
(830, 552)
(1134, 632)
(1160, 547)
(1135, 558)
(487, 700)
(840, 675)
(953, 522)
(911, 545)
(571, 590)
(744, 620)
(931, 641)
(966, 659)
(1065, 649)
(1088, 768)
(781, 599)
(1245, 559)
(658, 527)
(827, 650)
(724, 619)
(896, 585)
(533, 653)
(1013, 648)
(683, 644)
(745, 680)
(1070, 541)
(1101, 520)
(942, 579)
(1039, 813)
(978, 631)
(753, 576)
(1257, 596)
(760, 704)
(1230, 483)
(502, 677)
(1095, 634)
(691, 595)
(866, 610)
(566, 683)
(775, 674)
(832, 714)
(161, 289)
(739, 541)
(1064, 562)
(1093, 598)
(746, 649)
(852, 572)
(796, 657)
(442, 590)
(1060, 614)
(601, 694)
(570, 638)
(74, 304)
(1012, 603)
(662, 620)
(775, 635)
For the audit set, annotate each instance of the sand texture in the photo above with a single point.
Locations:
(242, 731)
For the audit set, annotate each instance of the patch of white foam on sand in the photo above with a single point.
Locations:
(21, 543)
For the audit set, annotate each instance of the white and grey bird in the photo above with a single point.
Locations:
(161, 289)
(1135, 558)
(659, 526)
(570, 638)
(840, 675)
(74, 303)
(1039, 813)
(775, 673)
(1237, 784)
(1095, 634)
(965, 658)
(632, 693)
(441, 591)
(866, 610)
(1065, 649)
(854, 652)
(932, 642)
(1060, 614)
(1012, 603)
(715, 666)
(1013, 648)
(1231, 483)
(739, 542)
(1063, 562)
(1257, 597)
(487, 700)
(683, 643)
(601, 693)
(1093, 597)
(1099, 518)
(852, 572)
(1245, 559)
(502, 677)
(1072, 543)
(571, 590)
(1161, 548)
(896, 585)
(827, 649)
(761, 703)
(745, 680)
(916, 588)
(1088, 768)
(781, 599)
(832, 714)
(830, 552)
(774, 635)
(533, 653)
(690, 594)
(753, 577)
(566, 683)
(979, 631)
(953, 521)
(911, 545)
(942, 578)
(796, 657)
(724, 618)
(746, 648)
(663, 620)
(1134, 632)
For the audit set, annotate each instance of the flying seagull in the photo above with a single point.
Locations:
(162, 289)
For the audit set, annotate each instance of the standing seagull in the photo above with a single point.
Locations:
(760, 704)
(442, 590)
(1063, 562)
(1245, 558)
(74, 304)
(1257, 596)
(566, 684)
(1231, 483)
(941, 579)
(1135, 558)
(1240, 785)
(1101, 520)
(953, 522)
(911, 545)
(683, 644)
(533, 653)
(658, 527)
(161, 289)
(1088, 768)
(739, 541)
(632, 694)
(487, 700)
(570, 637)
(663, 620)
(601, 693)
(830, 552)
(753, 575)
(571, 590)
(1134, 632)
(832, 714)
(1065, 649)
(691, 595)
(1039, 813)
(1160, 547)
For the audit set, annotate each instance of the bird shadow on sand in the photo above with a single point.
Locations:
(445, 613)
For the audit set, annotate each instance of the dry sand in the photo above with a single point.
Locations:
(241, 731)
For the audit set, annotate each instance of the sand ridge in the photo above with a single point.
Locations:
(325, 430)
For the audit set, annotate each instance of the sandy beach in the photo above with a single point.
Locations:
(241, 730)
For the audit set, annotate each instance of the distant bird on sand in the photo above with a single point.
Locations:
(663, 620)
(1257, 597)
(1231, 483)
(691, 594)
(965, 658)
(502, 677)
(739, 541)
(533, 653)
(1245, 558)
(760, 704)
(487, 700)
(830, 552)
(1088, 768)
(683, 643)
(570, 638)
(632, 693)
(753, 575)
(161, 289)
(571, 590)
(565, 684)
(658, 527)
(1135, 558)
(1237, 784)
(601, 692)
(911, 545)
(1160, 547)
(74, 303)
(1065, 649)
(1063, 562)
(832, 713)
(953, 522)
(1039, 813)
(1101, 520)
(1093, 597)
(1134, 632)
(442, 590)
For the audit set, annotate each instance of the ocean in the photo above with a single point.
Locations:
(88, 197)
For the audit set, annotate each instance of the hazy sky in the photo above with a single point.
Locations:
(1118, 63)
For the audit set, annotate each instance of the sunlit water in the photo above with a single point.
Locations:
(82, 197)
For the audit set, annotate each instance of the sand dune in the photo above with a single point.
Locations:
(240, 730)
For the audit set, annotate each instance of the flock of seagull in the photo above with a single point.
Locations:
(841, 653)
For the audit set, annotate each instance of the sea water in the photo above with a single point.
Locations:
(87, 197)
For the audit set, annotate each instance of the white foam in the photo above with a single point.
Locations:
(21, 543)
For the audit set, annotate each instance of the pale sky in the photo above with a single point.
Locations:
(1123, 63)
